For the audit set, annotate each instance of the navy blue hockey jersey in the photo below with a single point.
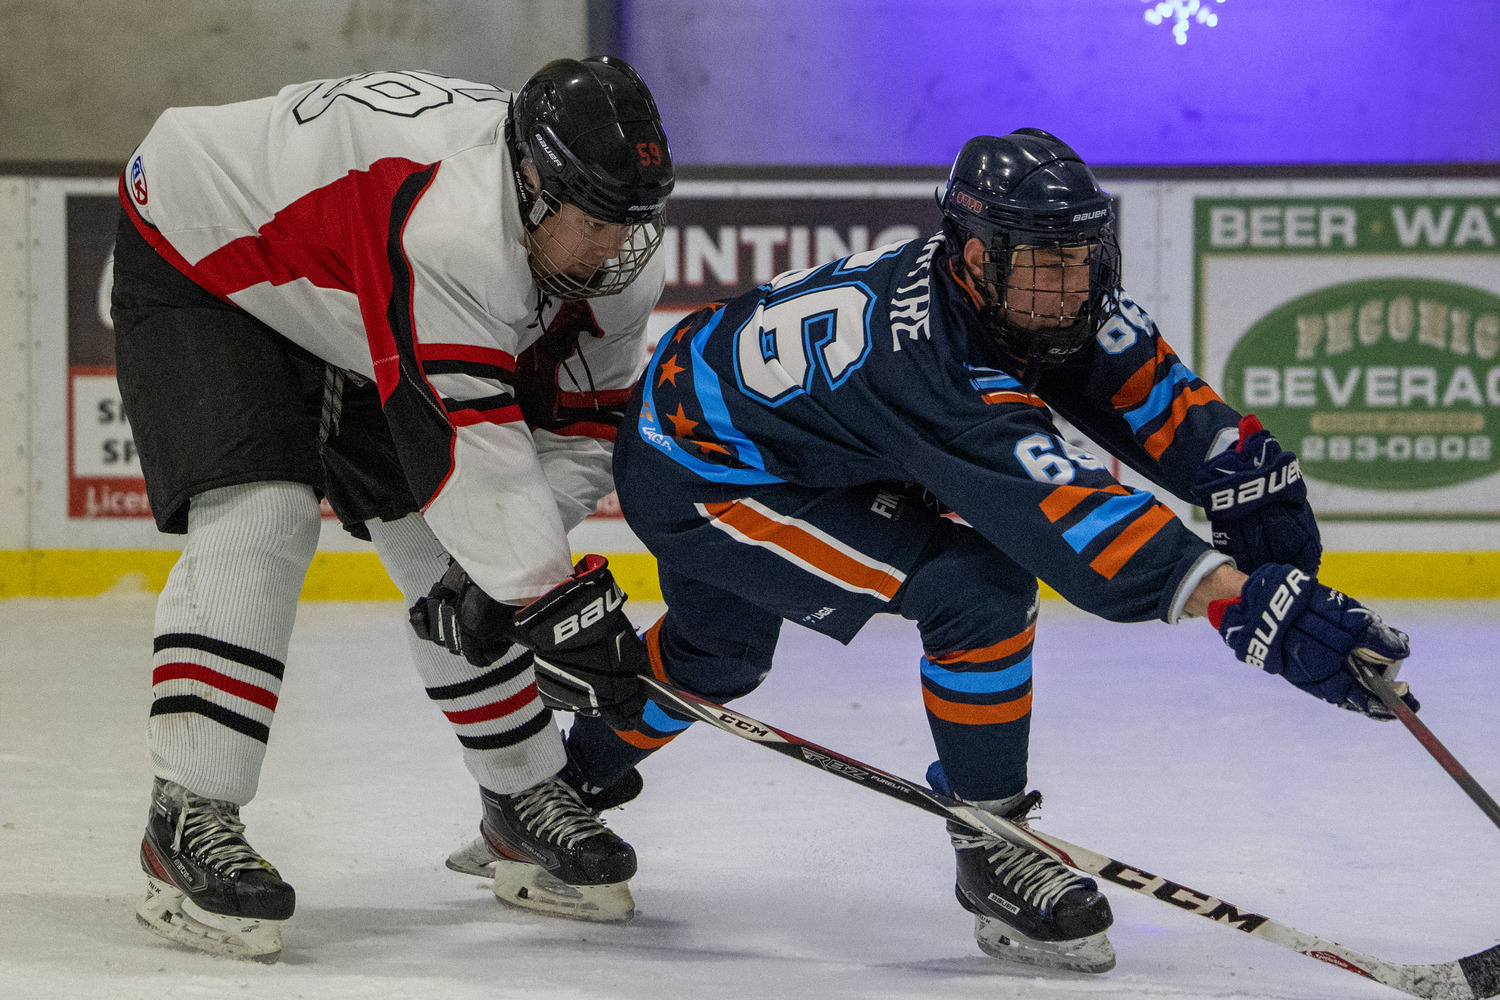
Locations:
(876, 367)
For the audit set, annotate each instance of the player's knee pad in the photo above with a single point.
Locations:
(276, 521)
(716, 666)
(965, 593)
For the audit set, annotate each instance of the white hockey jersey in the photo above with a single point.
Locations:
(373, 221)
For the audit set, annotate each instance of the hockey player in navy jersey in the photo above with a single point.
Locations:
(790, 455)
(424, 299)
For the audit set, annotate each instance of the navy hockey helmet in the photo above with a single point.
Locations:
(591, 131)
(1051, 263)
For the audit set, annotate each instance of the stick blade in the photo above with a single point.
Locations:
(1482, 970)
(1474, 978)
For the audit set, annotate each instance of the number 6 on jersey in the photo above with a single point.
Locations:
(773, 348)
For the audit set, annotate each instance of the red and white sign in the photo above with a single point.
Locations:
(104, 472)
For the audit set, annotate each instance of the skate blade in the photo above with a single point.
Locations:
(1093, 954)
(473, 859)
(168, 912)
(532, 887)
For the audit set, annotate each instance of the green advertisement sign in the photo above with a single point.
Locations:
(1365, 333)
(1379, 383)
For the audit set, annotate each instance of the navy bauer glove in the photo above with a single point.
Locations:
(1256, 501)
(1285, 622)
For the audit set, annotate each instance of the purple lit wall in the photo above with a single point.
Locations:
(878, 82)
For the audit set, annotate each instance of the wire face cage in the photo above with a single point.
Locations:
(594, 258)
(1049, 299)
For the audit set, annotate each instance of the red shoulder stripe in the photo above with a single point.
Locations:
(499, 415)
(467, 352)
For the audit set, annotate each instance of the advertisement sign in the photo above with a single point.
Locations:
(1364, 331)
(724, 237)
(1358, 315)
(104, 474)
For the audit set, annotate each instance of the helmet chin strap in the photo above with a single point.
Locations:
(960, 275)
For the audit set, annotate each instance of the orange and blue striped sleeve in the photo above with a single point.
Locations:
(1130, 392)
(1109, 549)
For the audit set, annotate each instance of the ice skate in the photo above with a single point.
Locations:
(206, 887)
(549, 853)
(1027, 907)
(475, 858)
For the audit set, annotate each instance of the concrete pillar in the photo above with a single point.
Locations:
(84, 79)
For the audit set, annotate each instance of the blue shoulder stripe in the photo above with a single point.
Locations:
(711, 398)
(990, 379)
(651, 432)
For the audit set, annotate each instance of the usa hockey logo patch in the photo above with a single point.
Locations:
(138, 181)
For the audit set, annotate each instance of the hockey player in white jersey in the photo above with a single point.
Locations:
(425, 300)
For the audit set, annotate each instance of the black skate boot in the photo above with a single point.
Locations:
(597, 798)
(478, 860)
(1028, 907)
(552, 855)
(206, 887)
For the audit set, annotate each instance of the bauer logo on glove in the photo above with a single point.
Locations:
(1252, 490)
(1256, 501)
(591, 614)
(589, 658)
(1286, 622)
(1264, 634)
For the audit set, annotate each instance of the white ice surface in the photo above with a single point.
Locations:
(758, 876)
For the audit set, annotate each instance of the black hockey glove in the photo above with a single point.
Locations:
(463, 619)
(589, 659)
(1286, 622)
(1256, 501)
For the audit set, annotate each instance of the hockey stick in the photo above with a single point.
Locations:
(1375, 681)
(1474, 977)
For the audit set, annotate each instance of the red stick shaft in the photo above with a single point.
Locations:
(1377, 683)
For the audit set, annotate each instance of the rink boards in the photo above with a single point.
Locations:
(1358, 315)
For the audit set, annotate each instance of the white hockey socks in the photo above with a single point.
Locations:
(223, 624)
(510, 742)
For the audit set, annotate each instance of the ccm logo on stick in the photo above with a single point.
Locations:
(591, 614)
(739, 723)
(1180, 895)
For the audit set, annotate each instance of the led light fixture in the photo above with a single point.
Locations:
(1181, 14)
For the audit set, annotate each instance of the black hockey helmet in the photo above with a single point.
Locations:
(591, 130)
(1036, 207)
